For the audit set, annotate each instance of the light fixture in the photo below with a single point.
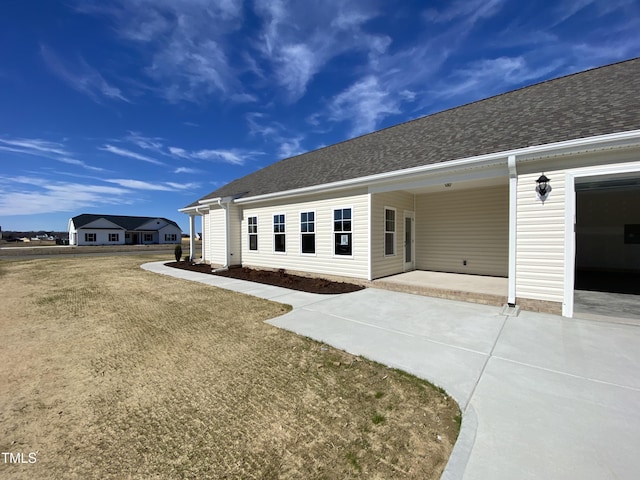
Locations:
(543, 184)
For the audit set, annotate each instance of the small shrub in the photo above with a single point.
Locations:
(187, 258)
(177, 252)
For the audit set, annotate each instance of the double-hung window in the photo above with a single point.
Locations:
(389, 231)
(252, 228)
(342, 232)
(89, 237)
(170, 237)
(148, 237)
(279, 235)
(114, 237)
(308, 232)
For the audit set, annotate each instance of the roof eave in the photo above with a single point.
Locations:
(580, 145)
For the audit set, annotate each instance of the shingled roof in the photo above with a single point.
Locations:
(594, 102)
(123, 221)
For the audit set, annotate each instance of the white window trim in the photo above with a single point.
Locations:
(117, 237)
(257, 250)
(333, 232)
(395, 231)
(273, 235)
(95, 237)
(315, 232)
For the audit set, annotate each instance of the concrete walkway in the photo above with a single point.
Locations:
(543, 397)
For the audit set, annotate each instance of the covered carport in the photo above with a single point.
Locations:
(607, 265)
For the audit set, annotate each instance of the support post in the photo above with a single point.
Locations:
(192, 234)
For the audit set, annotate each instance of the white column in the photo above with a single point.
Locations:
(192, 234)
(513, 218)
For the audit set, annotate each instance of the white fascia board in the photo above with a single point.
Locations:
(196, 210)
(599, 142)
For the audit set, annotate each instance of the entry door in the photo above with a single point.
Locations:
(409, 241)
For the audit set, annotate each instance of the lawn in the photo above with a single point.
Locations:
(109, 371)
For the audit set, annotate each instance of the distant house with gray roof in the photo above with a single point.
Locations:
(93, 229)
(535, 185)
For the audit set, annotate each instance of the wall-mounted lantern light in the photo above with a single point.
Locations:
(543, 185)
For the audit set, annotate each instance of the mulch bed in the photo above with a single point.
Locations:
(277, 278)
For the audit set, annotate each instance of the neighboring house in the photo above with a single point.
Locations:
(90, 229)
(458, 191)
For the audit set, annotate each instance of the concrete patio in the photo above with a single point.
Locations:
(454, 286)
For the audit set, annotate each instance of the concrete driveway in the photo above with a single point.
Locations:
(543, 397)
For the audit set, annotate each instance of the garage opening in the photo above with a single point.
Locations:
(607, 276)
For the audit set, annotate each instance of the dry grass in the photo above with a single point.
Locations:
(108, 371)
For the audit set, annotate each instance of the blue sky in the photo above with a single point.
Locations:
(139, 107)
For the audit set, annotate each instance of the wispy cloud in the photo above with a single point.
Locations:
(45, 149)
(287, 143)
(298, 39)
(364, 103)
(156, 186)
(129, 154)
(187, 170)
(81, 77)
(491, 76)
(183, 43)
(234, 156)
(23, 195)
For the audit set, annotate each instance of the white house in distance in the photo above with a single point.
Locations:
(538, 185)
(92, 229)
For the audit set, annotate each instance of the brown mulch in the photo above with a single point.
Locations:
(278, 278)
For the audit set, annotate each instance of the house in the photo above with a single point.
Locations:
(91, 229)
(535, 185)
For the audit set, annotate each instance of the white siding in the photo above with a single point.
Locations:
(235, 235)
(540, 239)
(215, 236)
(540, 255)
(169, 229)
(102, 236)
(470, 224)
(382, 265)
(324, 261)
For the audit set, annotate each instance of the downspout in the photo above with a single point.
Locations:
(513, 218)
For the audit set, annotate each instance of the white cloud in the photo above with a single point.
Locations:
(363, 104)
(156, 186)
(139, 184)
(484, 77)
(183, 43)
(234, 156)
(274, 132)
(44, 148)
(470, 11)
(34, 195)
(81, 77)
(299, 38)
(290, 147)
(186, 170)
(129, 154)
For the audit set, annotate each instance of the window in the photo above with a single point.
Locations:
(170, 237)
(252, 226)
(114, 237)
(148, 237)
(343, 238)
(308, 232)
(89, 237)
(389, 231)
(279, 241)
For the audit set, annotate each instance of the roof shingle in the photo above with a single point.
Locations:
(594, 102)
